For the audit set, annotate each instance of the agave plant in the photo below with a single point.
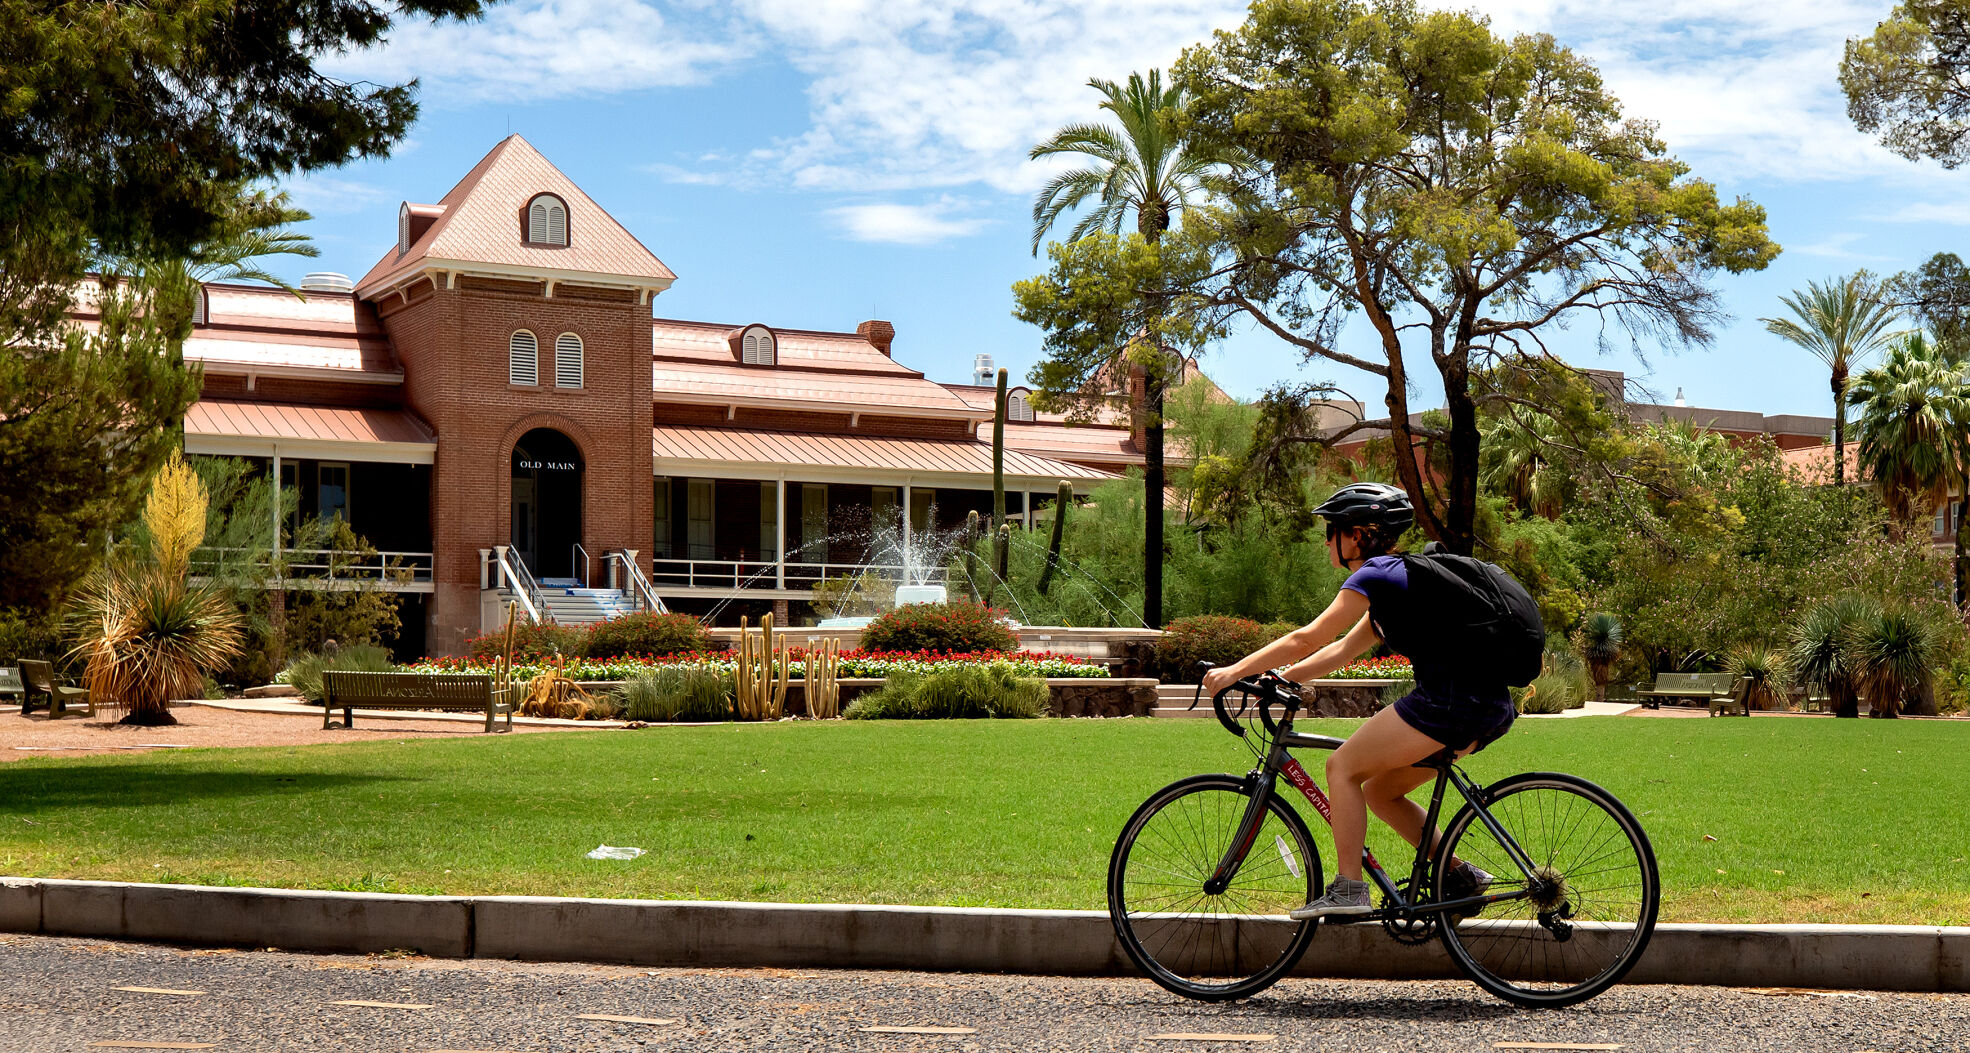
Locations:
(1820, 651)
(1600, 645)
(148, 634)
(1892, 651)
(1765, 668)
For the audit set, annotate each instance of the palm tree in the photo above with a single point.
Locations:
(1906, 406)
(1516, 463)
(1138, 165)
(1842, 322)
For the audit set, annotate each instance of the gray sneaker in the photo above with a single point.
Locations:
(1462, 882)
(1344, 896)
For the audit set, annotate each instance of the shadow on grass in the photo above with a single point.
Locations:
(41, 788)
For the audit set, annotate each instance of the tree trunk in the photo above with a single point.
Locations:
(1839, 383)
(999, 459)
(1062, 499)
(1460, 515)
(1152, 508)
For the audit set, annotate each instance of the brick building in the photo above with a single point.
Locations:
(494, 407)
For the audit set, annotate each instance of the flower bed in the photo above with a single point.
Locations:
(873, 664)
(1394, 667)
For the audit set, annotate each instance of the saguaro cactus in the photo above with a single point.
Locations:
(999, 460)
(1062, 501)
(971, 532)
(761, 678)
(822, 691)
(1001, 549)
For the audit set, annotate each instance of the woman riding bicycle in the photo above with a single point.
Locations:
(1448, 708)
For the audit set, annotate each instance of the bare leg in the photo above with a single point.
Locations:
(1385, 744)
(1388, 797)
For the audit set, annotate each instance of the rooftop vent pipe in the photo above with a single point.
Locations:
(327, 282)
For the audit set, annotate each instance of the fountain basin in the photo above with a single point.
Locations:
(908, 594)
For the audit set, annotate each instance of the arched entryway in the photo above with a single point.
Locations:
(547, 470)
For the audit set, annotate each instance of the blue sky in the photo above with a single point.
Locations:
(813, 163)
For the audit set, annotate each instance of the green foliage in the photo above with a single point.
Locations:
(365, 614)
(29, 634)
(1765, 668)
(532, 642)
(1893, 651)
(1911, 406)
(991, 689)
(955, 627)
(677, 693)
(1906, 81)
(304, 673)
(647, 634)
(853, 595)
(1213, 638)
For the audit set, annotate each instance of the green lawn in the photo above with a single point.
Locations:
(1814, 820)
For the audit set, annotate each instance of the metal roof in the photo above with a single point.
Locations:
(258, 429)
(691, 447)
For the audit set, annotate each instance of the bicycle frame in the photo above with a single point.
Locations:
(1280, 761)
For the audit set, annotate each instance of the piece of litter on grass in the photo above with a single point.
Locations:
(1210, 1036)
(1707, 837)
(888, 1030)
(612, 852)
(157, 990)
(654, 1021)
(382, 1005)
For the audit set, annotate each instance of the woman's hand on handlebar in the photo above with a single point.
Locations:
(1218, 679)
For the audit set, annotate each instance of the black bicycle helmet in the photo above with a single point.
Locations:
(1370, 505)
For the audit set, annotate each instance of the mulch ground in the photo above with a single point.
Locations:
(75, 735)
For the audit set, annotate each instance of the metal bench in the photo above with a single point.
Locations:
(1708, 687)
(10, 683)
(346, 690)
(41, 682)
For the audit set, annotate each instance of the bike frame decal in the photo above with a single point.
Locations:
(1304, 782)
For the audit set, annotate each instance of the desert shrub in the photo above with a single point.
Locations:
(991, 689)
(955, 627)
(305, 671)
(647, 634)
(1551, 693)
(1275, 630)
(677, 693)
(531, 642)
(1893, 652)
(1213, 638)
(1765, 668)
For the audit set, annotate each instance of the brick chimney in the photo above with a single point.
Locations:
(877, 332)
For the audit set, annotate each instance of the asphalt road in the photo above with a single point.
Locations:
(61, 995)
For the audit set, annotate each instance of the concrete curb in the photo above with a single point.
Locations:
(1046, 942)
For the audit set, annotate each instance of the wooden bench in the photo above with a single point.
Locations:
(1705, 686)
(40, 681)
(346, 690)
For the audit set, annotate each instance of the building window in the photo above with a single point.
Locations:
(202, 307)
(757, 348)
(701, 534)
(567, 361)
(547, 221)
(403, 229)
(523, 359)
(660, 539)
(813, 523)
(1017, 407)
(332, 491)
(769, 521)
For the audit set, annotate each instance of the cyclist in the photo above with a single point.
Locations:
(1448, 708)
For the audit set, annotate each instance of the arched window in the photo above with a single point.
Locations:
(1018, 407)
(756, 347)
(567, 361)
(202, 307)
(547, 221)
(403, 229)
(523, 359)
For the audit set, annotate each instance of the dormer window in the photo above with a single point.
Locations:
(547, 221)
(758, 347)
(1018, 406)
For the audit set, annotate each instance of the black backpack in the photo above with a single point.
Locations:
(1468, 619)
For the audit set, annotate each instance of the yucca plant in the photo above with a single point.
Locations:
(1600, 646)
(148, 635)
(1820, 651)
(1891, 652)
(1765, 668)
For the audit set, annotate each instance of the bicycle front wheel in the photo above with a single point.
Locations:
(1201, 945)
(1586, 913)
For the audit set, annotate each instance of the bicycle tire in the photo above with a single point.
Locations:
(1602, 872)
(1211, 948)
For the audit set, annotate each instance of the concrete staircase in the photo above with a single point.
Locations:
(1172, 700)
(570, 604)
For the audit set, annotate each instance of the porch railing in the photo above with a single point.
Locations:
(508, 571)
(320, 565)
(639, 587)
(764, 574)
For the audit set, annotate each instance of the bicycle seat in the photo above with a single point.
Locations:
(1438, 761)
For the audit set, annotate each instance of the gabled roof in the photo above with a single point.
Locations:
(680, 449)
(709, 342)
(480, 231)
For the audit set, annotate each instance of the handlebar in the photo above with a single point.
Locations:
(1270, 687)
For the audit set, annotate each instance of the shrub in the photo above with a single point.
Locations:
(25, 634)
(966, 691)
(1212, 638)
(304, 673)
(531, 642)
(1551, 693)
(677, 693)
(960, 625)
(1765, 668)
(647, 634)
(1892, 651)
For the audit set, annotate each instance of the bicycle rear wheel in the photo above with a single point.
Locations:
(1199, 945)
(1587, 917)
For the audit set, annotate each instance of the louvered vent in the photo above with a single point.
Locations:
(757, 348)
(567, 361)
(1017, 408)
(557, 224)
(523, 359)
(547, 221)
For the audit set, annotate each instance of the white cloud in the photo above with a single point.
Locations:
(1943, 213)
(325, 195)
(543, 49)
(1837, 247)
(924, 224)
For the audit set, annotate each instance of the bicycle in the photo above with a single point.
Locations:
(1205, 871)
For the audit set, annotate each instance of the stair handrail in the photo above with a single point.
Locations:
(527, 590)
(586, 559)
(639, 586)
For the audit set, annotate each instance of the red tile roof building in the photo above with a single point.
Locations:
(493, 402)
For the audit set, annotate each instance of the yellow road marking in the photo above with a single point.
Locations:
(624, 1019)
(383, 1005)
(1212, 1036)
(1555, 1045)
(151, 1045)
(888, 1030)
(157, 990)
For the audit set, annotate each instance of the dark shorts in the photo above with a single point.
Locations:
(1459, 718)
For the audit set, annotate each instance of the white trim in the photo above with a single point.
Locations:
(819, 404)
(312, 449)
(800, 473)
(229, 367)
(580, 362)
(509, 271)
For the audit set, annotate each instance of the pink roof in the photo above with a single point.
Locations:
(677, 443)
(1815, 463)
(729, 382)
(798, 348)
(482, 224)
(1068, 441)
(225, 419)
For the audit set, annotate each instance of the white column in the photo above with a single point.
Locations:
(780, 534)
(907, 515)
